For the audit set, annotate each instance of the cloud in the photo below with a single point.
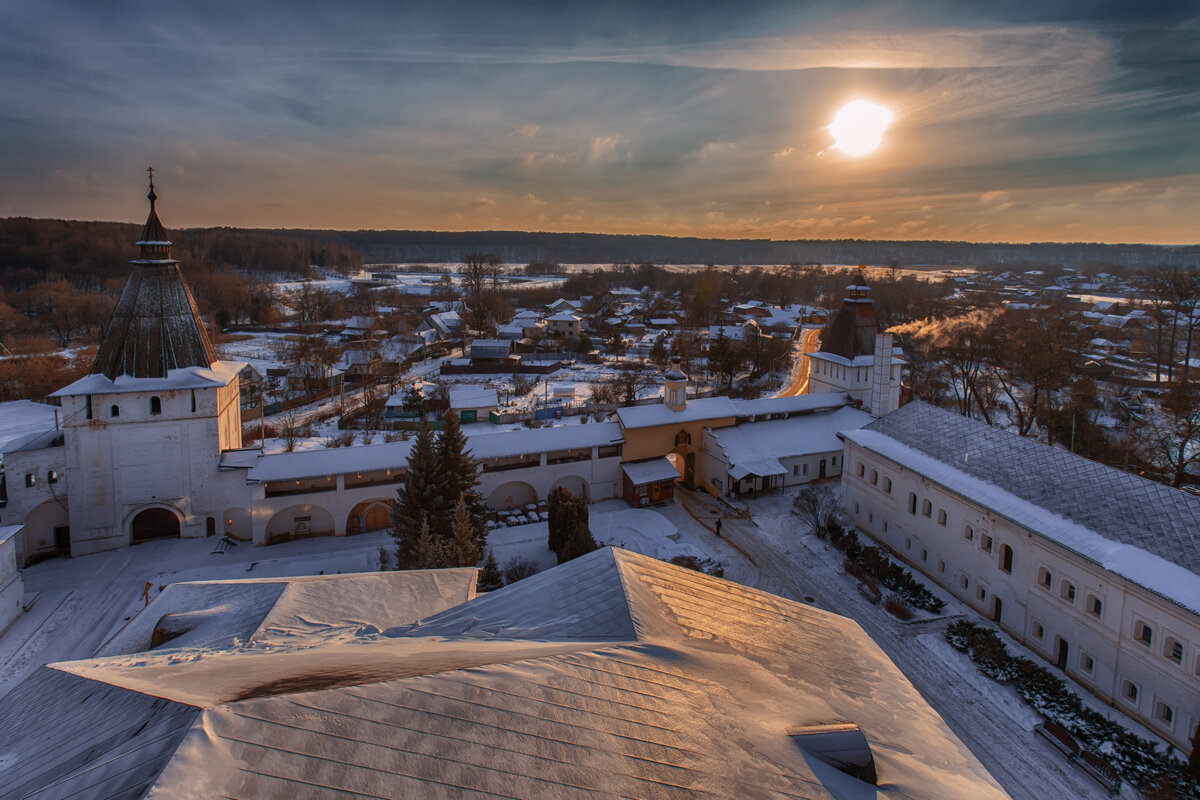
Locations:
(527, 131)
(602, 147)
(483, 201)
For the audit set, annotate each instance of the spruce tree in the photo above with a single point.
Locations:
(562, 517)
(419, 500)
(429, 552)
(460, 477)
(490, 577)
(464, 549)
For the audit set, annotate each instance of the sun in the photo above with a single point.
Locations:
(858, 127)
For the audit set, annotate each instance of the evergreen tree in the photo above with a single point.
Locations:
(465, 548)
(568, 522)
(490, 577)
(579, 543)
(418, 500)
(584, 344)
(428, 551)
(461, 476)
(659, 355)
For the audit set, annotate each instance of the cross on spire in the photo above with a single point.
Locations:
(152, 196)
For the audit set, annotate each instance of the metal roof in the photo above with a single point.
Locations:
(852, 332)
(155, 326)
(1115, 504)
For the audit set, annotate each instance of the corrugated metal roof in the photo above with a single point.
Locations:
(1117, 505)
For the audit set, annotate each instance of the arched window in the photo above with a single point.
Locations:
(30, 480)
(912, 503)
(115, 411)
(155, 405)
(1006, 558)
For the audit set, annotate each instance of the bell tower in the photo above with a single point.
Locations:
(675, 387)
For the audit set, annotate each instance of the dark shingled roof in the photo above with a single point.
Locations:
(155, 326)
(852, 332)
(1117, 505)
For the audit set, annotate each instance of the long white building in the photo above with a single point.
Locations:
(1094, 569)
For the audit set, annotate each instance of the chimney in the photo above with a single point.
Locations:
(883, 399)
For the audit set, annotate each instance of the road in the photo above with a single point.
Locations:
(810, 340)
(1024, 765)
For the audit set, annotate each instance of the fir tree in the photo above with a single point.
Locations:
(419, 502)
(580, 542)
(659, 355)
(428, 551)
(490, 577)
(460, 477)
(569, 535)
(465, 548)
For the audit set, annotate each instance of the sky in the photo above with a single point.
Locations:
(1011, 121)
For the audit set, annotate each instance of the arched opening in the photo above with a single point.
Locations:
(684, 460)
(155, 405)
(1061, 651)
(154, 523)
(997, 609)
(512, 495)
(370, 515)
(210, 526)
(47, 533)
(299, 522)
(114, 411)
(1006, 558)
(574, 484)
(236, 523)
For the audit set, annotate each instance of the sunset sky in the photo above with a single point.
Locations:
(1012, 121)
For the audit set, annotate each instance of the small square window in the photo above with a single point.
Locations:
(982, 593)
(969, 533)
(1095, 606)
(52, 476)
(1129, 691)
(1039, 632)
(985, 542)
(1068, 591)
(30, 480)
(1143, 633)
(1087, 663)
(1045, 578)
(1174, 650)
(1164, 713)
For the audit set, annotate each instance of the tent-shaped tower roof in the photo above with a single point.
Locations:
(155, 326)
(852, 332)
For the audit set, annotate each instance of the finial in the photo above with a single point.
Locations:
(152, 196)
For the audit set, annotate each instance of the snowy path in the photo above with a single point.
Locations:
(988, 718)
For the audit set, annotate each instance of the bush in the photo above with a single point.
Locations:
(517, 569)
(708, 566)
(873, 561)
(898, 608)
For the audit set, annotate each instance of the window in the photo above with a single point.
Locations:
(1067, 591)
(87, 406)
(924, 554)
(1045, 579)
(30, 480)
(193, 401)
(115, 411)
(887, 485)
(912, 503)
(1173, 649)
(941, 517)
(1164, 713)
(804, 469)
(1087, 663)
(52, 476)
(862, 469)
(1095, 606)
(926, 508)
(1143, 633)
(907, 543)
(1039, 632)
(834, 462)
(969, 533)
(985, 542)
(795, 469)
(1006, 558)
(965, 582)
(874, 478)
(856, 507)
(155, 405)
(982, 593)
(941, 565)
(1129, 691)
(870, 516)
(885, 526)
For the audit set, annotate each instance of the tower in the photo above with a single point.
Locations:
(675, 387)
(144, 430)
(856, 355)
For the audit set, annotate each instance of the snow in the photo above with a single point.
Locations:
(771, 440)
(1152, 572)
(473, 397)
(659, 414)
(20, 418)
(817, 401)
(658, 469)
(222, 373)
(9, 531)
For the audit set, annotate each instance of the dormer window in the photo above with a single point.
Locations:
(841, 745)
(155, 405)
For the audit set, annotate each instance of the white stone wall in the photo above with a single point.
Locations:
(800, 469)
(12, 588)
(41, 507)
(959, 544)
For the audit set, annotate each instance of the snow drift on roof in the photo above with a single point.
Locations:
(659, 414)
(221, 373)
(656, 469)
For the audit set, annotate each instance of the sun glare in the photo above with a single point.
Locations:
(858, 127)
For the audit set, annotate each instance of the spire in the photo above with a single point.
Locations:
(156, 325)
(154, 243)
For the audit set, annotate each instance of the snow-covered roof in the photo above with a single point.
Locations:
(762, 467)
(736, 332)
(9, 531)
(360, 323)
(473, 397)
(544, 440)
(291, 610)
(771, 440)
(1144, 531)
(659, 414)
(564, 317)
(796, 404)
(38, 440)
(607, 676)
(656, 469)
(221, 373)
(20, 418)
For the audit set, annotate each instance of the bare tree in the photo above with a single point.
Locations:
(1172, 437)
(815, 505)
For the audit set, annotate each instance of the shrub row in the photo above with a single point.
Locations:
(1138, 760)
(875, 563)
